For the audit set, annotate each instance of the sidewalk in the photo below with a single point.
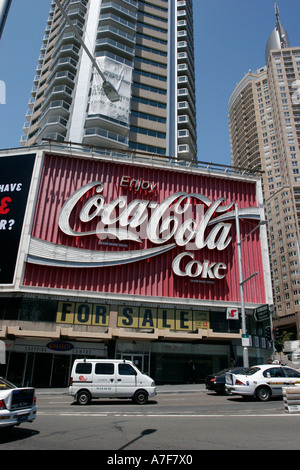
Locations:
(167, 388)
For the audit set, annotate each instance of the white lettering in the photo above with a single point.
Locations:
(196, 268)
(3, 224)
(165, 222)
(121, 460)
(10, 187)
(140, 214)
(136, 185)
(192, 220)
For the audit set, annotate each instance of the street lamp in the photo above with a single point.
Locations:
(108, 88)
(4, 9)
(242, 281)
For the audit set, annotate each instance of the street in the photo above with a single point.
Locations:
(175, 423)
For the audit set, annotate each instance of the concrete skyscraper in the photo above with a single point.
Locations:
(145, 50)
(264, 122)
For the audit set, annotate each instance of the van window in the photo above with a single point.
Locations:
(104, 369)
(84, 368)
(126, 369)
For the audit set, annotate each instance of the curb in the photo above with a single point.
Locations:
(160, 389)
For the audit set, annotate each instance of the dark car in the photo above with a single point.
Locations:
(216, 382)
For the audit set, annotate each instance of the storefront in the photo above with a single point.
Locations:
(46, 364)
(128, 259)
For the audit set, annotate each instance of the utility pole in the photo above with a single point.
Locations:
(241, 282)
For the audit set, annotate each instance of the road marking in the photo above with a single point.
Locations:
(58, 403)
(166, 415)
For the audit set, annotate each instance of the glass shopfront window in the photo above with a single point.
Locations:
(42, 364)
(27, 309)
(170, 361)
(220, 324)
(42, 370)
(15, 367)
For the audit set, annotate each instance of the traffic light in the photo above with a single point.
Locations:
(276, 334)
(268, 333)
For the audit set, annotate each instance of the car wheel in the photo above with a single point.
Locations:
(83, 398)
(263, 393)
(140, 397)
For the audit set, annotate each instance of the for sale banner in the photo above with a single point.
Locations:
(15, 178)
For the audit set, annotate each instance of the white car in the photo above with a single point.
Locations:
(262, 381)
(17, 405)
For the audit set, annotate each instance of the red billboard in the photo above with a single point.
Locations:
(140, 230)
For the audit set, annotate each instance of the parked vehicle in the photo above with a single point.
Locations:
(262, 381)
(216, 382)
(105, 378)
(17, 405)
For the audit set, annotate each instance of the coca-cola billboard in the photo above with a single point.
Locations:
(126, 229)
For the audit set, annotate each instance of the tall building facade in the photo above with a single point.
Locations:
(264, 123)
(113, 259)
(144, 49)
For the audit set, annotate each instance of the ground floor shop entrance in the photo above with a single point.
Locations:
(137, 352)
(168, 362)
(42, 365)
(171, 362)
(37, 369)
(141, 361)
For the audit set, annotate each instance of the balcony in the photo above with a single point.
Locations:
(28, 115)
(109, 124)
(59, 92)
(109, 18)
(64, 64)
(31, 103)
(23, 140)
(26, 128)
(64, 78)
(112, 31)
(55, 124)
(54, 136)
(122, 12)
(104, 138)
(59, 106)
(109, 44)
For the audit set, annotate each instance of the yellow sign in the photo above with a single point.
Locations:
(184, 320)
(148, 317)
(75, 313)
(128, 317)
(65, 312)
(166, 319)
(200, 320)
(82, 314)
(162, 318)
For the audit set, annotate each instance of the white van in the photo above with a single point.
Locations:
(109, 378)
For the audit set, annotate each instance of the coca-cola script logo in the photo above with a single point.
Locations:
(188, 220)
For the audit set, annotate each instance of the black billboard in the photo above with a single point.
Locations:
(15, 178)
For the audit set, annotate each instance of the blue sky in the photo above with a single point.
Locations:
(230, 39)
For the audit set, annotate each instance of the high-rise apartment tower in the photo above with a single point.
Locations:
(264, 123)
(144, 49)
